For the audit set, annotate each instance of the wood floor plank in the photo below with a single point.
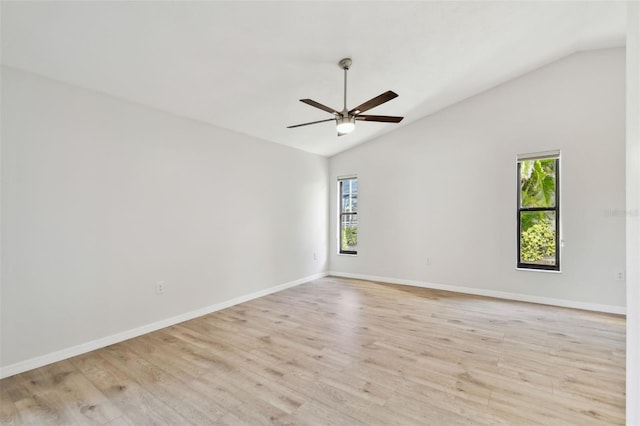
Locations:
(8, 410)
(157, 382)
(89, 405)
(36, 405)
(141, 407)
(344, 352)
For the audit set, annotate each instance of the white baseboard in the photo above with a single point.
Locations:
(92, 345)
(612, 309)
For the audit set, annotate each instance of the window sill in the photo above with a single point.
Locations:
(348, 254)
(539, 270)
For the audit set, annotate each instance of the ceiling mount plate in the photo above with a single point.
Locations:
(345, 63)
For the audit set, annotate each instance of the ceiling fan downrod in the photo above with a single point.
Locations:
(347, 122)
(345, 64)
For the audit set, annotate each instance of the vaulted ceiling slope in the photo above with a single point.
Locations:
(244, 65)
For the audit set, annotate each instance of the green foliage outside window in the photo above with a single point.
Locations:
(349, 236)
(538, 183)
(538, 241)
(537, 190)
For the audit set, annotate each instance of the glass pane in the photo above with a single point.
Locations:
(349, 233)
(538, 238)
(349, 195)
(538, 183)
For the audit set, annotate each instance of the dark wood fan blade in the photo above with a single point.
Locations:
(381, 118)
(313, 122)
(372, 103)
(319, 105)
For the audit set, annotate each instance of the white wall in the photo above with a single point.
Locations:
(633, 216)
(444, 188)
(102, 198)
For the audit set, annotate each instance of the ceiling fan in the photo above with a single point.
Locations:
(346, 119)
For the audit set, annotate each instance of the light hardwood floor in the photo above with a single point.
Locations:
(338, 351)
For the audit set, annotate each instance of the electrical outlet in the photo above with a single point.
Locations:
(620, 275)
(160, 287)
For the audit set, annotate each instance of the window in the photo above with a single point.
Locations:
(348, 232)
(538, 211)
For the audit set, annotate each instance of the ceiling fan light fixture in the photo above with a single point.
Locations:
(346, 125)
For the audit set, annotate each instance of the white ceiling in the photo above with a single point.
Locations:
(244, 65)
